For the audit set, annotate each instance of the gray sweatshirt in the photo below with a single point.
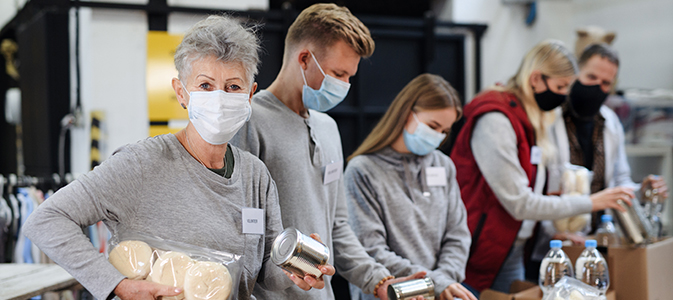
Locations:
(297, 151)
(156, 187)
(494, 147)
(406, 222)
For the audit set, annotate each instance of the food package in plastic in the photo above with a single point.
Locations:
(576, 181)
(202, 274)
(569, 288)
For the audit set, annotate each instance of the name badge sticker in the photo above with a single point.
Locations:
(333, 172)
(535, 155)
(435, 176)
(253, 220)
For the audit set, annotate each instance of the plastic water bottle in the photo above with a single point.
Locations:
(591, 267)
(606, 235)
(554, 266)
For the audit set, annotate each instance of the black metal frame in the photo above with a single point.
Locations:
(358, 113)
(158, 10)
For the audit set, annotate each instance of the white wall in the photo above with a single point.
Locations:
(644, 37)
(112, 59)
(8, 9)
(644, 34)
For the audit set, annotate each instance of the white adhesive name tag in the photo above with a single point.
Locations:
(535, 155)
(253, 220)
(435, 176)
(333, 172)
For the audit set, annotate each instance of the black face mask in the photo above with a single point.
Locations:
(586, 100)
(548, 100)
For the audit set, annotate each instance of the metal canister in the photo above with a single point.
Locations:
(412, 288)
(298, 253)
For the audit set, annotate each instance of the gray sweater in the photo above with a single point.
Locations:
(495, 151)
(405, 224)
(296, 151)
(157, 188)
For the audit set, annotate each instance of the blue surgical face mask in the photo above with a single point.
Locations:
(332, 91)
(424, 140)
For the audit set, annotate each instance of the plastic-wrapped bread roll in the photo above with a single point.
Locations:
(577, 223)
(170, 269)
(569, 181)
(562, 224)
(576, 295)
(132, 259)
(207, 281)
(582, 182)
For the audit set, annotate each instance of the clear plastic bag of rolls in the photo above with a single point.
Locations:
(202, 273)
(569, 288)
(575, 181)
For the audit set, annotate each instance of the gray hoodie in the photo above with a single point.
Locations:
(406, 222)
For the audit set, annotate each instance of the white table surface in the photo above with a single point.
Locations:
(23, 281)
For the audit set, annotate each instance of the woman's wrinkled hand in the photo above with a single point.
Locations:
(144, 290)
(310, 281)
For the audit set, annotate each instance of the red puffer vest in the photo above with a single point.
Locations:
(493, 229)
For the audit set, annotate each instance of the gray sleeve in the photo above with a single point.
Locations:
(350, 258)
(365, 216)
(102, 194)
(494, 145)
(271, 277)
(456, 242)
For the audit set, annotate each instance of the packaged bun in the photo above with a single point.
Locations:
(207, 280)
(569, 179)
(561, 224)
(577, 223)
(583, 182)
(170, 269)
(132, 259)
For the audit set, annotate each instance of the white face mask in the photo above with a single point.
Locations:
(218, 115)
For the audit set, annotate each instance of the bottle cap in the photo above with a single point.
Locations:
(606, 218)
(555, 244)
(590, 243)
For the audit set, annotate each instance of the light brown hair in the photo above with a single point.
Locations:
(425, 92)
(323, 24)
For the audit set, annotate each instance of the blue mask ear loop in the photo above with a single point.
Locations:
(418, 122)
(316, 62)
(319, 68)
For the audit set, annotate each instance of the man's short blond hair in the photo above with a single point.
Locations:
(323, 24)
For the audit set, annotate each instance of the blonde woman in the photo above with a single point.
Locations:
(403, 199)
(500, 154)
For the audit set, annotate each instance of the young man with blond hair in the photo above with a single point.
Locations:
(301, 145)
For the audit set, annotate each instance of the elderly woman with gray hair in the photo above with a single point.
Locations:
(191, 187)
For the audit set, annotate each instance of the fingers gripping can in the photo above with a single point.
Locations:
(298, 253)
(412, 288)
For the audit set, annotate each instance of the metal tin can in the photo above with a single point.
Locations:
(298, 253)
(412, 288)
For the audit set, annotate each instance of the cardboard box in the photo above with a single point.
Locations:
(638, 273)
(520, 290)
(524, 290)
